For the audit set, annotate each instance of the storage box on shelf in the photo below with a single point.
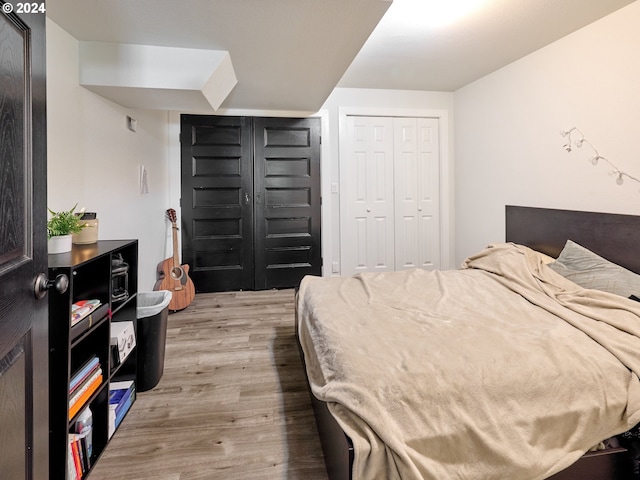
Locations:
(82, 366)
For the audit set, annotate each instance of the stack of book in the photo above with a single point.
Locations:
(75, 467)
(121, 396)
(84, 314)
(82, 308)
(79, 457)
(83, 384)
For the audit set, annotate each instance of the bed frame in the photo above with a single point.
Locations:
(613, 236)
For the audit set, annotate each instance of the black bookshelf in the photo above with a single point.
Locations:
(90, 270)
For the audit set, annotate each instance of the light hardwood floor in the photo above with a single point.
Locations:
(232, 402)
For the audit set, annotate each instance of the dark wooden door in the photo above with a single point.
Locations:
(250, 201)
(24, 397)
(217, 199)
(287, 201)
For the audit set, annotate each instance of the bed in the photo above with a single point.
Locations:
(505, 368)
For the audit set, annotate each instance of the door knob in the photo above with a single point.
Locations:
(43, 284)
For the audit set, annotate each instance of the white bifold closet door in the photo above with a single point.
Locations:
(389, 195)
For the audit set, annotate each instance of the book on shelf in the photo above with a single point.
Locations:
(72, 470)
(89, 320)
(121, 397)
(82, 308)
(76, 465)
(123, 404)
(82, 446)
(82, 395)
(126, 405)
(82, 388)
(78, 392)
(121, 385)
(84, 372)
(83, 460)
(79, 459)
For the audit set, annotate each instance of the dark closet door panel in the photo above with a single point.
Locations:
(217, 212)
(287, 201)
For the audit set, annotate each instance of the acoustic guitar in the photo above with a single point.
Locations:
(175, 277)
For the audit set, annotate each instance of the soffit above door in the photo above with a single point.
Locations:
(164, 78)
(286, 54)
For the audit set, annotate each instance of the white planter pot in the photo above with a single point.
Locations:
(59, 244)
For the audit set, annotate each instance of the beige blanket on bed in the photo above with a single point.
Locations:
(500, 370)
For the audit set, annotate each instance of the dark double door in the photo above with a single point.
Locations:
(250, 201)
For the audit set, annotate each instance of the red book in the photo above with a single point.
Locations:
(76, 458)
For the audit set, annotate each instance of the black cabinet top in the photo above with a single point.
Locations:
(80, 254)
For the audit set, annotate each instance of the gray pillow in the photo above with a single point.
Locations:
(589, 270)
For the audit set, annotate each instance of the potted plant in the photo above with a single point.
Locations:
(60, 227)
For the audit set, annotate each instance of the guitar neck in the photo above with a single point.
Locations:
(176, 260)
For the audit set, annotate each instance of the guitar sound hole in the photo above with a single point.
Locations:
(176, 273)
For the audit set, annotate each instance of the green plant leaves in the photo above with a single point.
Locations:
(63, 223)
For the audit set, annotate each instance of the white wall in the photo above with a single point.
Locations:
(507, 131)
(93, 159)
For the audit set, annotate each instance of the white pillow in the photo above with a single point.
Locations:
(589, 270)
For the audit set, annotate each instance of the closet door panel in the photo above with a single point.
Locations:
(217, 209)
(366, 199)
(416, 182)
(428, 173)
(287, 201)
(406, 181)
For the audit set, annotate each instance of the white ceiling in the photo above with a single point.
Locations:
(416, 56)
(290, 54)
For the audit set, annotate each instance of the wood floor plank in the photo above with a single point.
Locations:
(232, 403)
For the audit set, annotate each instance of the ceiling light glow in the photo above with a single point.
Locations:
(431, 13)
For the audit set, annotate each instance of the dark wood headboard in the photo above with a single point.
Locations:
(613, 236)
